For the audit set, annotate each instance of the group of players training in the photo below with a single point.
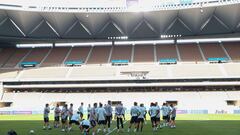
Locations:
(102, 116)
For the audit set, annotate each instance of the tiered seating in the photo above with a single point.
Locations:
(99, 55)
(232, 69)
(78, 54)
(16, 57)
(233, 50)
(210, 101)
(56, 57)
(196, 71)
(166, 52)
(37, 55)
(123, 52)
(93, 72)
(154, 71)
(5, 54)
(8, 73)
(143, 53)
(45, 72)
(213, 50)
(189, 52)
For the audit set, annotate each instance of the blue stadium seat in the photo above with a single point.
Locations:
(168, 61)
(218, 60)
(29, 64)
(120, 62)
(73, 63)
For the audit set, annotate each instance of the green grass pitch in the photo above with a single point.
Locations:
(211, 124)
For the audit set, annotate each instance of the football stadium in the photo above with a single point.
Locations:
(106, 67)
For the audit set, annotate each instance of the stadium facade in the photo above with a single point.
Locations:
(181, 52)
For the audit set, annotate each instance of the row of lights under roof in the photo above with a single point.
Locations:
(121, 37)
(170, 41)
(170, 36)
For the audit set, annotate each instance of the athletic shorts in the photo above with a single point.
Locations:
(164, 117)
(134, 119)
(153, 119)
(64, 119)
(56, 118)
(74, 121)
(93, 123)
(173, 118)
(46, 119)
(102, 122)
(85, 126)
(157, 119)
(168, 118)
(140, 120)
(81, 114)
(70, 117)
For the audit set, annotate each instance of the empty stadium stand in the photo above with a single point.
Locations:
(143, 53)
(99, 55)
(78, 53)
(189, 52)
(123, 52)
(193, 102)
(18, 55)
(55, 57)
(37, 55)
(212, 50)
(233, 49)
(5, 54)
(166, 51)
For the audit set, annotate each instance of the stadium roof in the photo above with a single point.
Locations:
(20, 25)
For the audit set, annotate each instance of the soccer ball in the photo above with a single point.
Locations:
(31, 131)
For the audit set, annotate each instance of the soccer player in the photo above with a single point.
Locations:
(169, 109)
(141, 117)
(173, 116)
(153, 112)
(119, 114)
(80, 109)
(108, 109)
(74, 119)
(165, 114)
(88, 110)
(46, 117)
(70, 111)
(145, 115)
(158, 116)
(57, 112)
(134, 116)
(93, 117)
(64, 117)
(124, 111)
(101, 117)
(85, 126)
